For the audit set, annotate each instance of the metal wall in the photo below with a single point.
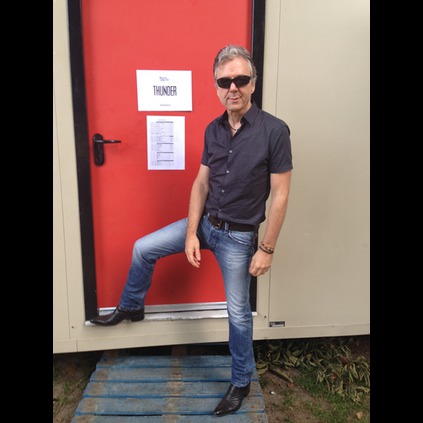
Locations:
(317, 61)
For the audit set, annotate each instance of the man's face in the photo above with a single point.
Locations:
(235, 99)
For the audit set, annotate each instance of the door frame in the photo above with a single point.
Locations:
(82, 146)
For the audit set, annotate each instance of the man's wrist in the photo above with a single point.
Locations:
(266, 248)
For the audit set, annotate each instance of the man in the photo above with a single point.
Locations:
(246, 157)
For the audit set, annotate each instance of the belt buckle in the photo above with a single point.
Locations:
(215, 222)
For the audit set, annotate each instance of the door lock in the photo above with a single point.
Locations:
(98, 143)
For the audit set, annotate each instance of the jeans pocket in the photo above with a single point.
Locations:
(244, 238)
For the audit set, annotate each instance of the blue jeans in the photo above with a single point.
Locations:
(233, 251)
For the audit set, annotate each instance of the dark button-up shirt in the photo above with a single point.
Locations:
(240, 166)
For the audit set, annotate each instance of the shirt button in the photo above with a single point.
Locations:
(227, 171)
(230, 151)
(223, 190)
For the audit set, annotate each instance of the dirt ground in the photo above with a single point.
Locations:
(284, 402)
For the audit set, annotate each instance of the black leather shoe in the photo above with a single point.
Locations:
(117, 316)
(231, 401)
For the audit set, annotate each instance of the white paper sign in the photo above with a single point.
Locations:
(167, 90)
(166, 142)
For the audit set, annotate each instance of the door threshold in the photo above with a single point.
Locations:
(179, 315)
(171, 312)
(186, 315)
(176, 312)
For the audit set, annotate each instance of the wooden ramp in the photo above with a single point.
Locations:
(171, 389)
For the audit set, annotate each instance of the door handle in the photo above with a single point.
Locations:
(98, 143)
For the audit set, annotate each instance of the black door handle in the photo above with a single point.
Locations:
(98, 143)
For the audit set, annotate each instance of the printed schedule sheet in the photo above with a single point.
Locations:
(166, 142)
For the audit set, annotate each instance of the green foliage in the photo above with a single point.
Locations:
(328, 360)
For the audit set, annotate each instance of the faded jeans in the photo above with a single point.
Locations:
(233, 251)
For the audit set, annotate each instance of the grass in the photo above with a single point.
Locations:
(339, 409)
(327, 369)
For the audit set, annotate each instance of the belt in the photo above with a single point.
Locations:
(231, 226)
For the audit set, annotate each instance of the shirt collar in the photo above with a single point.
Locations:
(250, 116)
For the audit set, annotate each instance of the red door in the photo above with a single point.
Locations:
(129, 201)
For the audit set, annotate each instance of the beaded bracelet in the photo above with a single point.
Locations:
(266, 249)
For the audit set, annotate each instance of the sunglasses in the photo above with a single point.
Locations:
(239, 81)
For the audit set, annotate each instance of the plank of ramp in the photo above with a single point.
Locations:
(162, 389)
(231, 418)
(179, 389)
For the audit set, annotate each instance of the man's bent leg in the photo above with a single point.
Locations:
(147, 250)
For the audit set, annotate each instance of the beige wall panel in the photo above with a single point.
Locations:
(67, 264)
(60, 301)
(152, 333)
(321, 273)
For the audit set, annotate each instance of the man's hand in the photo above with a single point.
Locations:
(260, 263)
(192, 250)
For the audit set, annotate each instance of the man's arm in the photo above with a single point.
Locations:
(199, 192)
(279, 186)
